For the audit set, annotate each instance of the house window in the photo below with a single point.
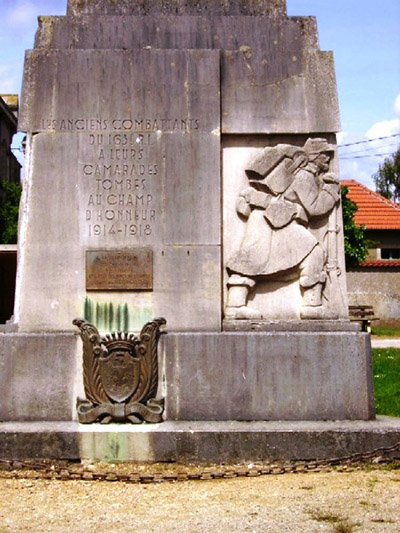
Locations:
(390, 253)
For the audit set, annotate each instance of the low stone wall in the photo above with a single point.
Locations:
(379, 287)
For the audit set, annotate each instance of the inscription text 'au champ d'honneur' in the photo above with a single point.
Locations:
(123, 170)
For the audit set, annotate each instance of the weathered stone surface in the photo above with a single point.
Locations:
(293, 325)
(121, 86)
(101, 91)
(284, 35)
(58, 236)
(39, 440)
(177, 7)
(133, 171)
(268, 376)
(197, 442)
(229, 376)
(38, 376)
(281, 106)
(274, 78)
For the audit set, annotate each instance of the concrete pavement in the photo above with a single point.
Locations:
(380, 342)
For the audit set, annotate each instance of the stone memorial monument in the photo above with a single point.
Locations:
(181, 162)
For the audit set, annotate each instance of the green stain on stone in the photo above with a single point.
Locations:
(118, 318)
(115, 447)
(88, 310)
(108, 316)
(110, 313)
(126, 317)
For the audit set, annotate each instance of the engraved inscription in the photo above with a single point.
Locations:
(119, 270)
(121, 124)
(121, 167)
(123, 181)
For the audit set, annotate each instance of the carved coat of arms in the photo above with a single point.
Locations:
(120, 375)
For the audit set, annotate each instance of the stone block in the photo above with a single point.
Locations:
(186, 276)
(177, 7)
(186, 250)
(285, 35)
(142, 173)
(291, 326)
(38, 376)
(121, 91)
(197, 442)
(300, 103)
(273, 77)
(267, 376)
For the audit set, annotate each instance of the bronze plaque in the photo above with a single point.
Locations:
(119, 270)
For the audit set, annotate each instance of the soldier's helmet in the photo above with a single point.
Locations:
(317, 146)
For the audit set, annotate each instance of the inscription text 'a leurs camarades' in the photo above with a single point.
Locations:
(120, 165)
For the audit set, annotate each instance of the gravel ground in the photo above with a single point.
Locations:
(364, 500)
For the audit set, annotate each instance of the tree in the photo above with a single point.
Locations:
(387, 179)
(10, 194)
(355, 243)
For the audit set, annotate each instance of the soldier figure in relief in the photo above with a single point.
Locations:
(288, 187)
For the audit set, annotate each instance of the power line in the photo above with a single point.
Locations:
(348, 156)
(362, 150)
(370, 140)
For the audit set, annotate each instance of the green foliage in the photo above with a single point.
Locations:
(10, 194)
(385, 332)
(386, 369)
(355, 243)
(387, 179)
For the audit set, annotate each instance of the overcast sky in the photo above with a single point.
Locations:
(364, 36)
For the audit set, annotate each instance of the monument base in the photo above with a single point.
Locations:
(315, 388)
(196, 442)
(39, 376)
(270, 375)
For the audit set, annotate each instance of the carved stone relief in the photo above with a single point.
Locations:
(290, 189)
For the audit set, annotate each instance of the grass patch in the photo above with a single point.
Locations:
(385, 332)
(386, 370)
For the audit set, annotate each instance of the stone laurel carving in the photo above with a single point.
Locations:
(289, 188)
(120, 375)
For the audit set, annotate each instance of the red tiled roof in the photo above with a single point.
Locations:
(374, 211)
(381, 263)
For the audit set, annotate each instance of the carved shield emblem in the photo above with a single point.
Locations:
(119, 373)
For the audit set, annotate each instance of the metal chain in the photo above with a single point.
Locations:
(46, 470)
